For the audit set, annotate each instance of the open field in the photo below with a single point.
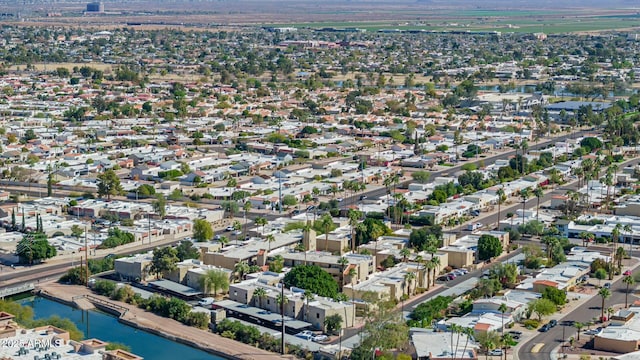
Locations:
(372, 16)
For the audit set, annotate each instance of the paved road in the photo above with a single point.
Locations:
(381, 191)
(584, 313)
(56, 268)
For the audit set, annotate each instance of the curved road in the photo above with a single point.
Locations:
(584, 313)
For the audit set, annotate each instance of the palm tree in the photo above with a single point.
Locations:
(343, 262)
(469, 332)
(236, 226)
(223, 240)
(241, 269)
(354, 218)
(326, 222)
(628, 280)
(270, 238)
(503, 309)
(604, 294)
(419, 260)
(429, 265)
(615, 234)
(260, 221)
(408, 278)
(538, 193)
(307, 296)
(282, 301)
(620, 254)
(488, 341)
(259, 294)
(405, 252)
(629, 230)
(578, 326)
(214, 280)
(524, 195)
(246, 207)
(435, 260)
(500, 193)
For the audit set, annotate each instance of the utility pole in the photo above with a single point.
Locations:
(149, 219)
(280, 194)
(282, 349)
(86, 256)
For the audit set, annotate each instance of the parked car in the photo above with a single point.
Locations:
(206, 301)
(458, 272)
(320, 338)
(230, 228)
(593, 331)
(443, 278)
(217, 237)
(627, 273)
(295, 212)
(496, 352)
(310, 208)
(339, 199)
(451, 276)
(545, 328)
(305, 334)
(476, 226)
(363, 197)
(553, 323)
(607, 285)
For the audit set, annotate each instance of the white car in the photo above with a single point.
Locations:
(206, 301)
(237, 232)
(319, 338)
(495, 352)
(230, 228)
(306, 335)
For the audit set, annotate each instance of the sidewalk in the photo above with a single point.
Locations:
(573, 305)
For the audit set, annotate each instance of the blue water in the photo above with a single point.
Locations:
(95, 324)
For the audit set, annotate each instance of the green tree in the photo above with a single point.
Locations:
(261, 222)
(542, 307)
(604, 294)
(241, 268)
(600, 274)
(557, 296)
(628, 281)
(426, 237)
(276, 264)
(202, 230)
(145, 190)
(164, 260)
(216, 280)
(370, 230)
(185, 250)
(326, 223)
(160, 205)
(109, 184)
(312, 278)
(35, 247)
(117, 237)
(289, 200)
(259, 295)
(333, 324)
(489, 247)
(421, 177)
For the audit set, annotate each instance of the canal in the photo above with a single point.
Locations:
(96, 324)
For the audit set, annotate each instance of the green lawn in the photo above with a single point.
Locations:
(490, 20)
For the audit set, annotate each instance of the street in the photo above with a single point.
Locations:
(584, 314)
